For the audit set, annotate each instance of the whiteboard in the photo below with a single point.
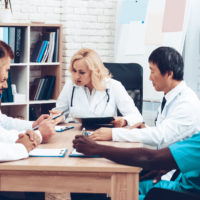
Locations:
(153, 27)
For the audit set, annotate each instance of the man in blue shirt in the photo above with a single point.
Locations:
(183, 155)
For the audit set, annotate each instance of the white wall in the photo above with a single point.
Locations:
(192, 49)
(88, 23)
(91, 23)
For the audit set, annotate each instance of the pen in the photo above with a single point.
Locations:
(83, 131)
(65, 129)
(56, 116)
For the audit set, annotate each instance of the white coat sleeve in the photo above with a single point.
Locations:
(126, 105)
(13, 123)
(15, 151)
(63, 101)
(179, 125)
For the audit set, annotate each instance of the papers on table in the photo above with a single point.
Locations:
(74, 153)
(48, 152)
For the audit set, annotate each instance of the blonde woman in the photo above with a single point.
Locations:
(93, 93)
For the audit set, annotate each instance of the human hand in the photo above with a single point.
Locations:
(25, 140)
(34, 137)
(153, 174)
(40, 119)
(119, 122)
(103, 134)
(58, 119)
(85, 145)
(138, 125)
(47, 129)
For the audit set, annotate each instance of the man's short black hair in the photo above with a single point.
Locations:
(168, 59)
(5, 50)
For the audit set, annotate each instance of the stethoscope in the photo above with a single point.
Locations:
(72, 97)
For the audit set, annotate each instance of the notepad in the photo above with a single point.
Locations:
(74, 153)
(48, 152)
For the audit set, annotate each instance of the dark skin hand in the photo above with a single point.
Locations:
(149, 159)
(152, 174)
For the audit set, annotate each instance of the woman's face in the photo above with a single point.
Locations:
(81, 74)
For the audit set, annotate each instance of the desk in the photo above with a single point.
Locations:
(90, 175)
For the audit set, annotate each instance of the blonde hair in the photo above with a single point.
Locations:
(98, 71)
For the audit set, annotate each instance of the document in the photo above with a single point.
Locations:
(74, 153)
(48, 152)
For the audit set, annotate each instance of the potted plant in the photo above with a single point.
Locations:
(5, 10)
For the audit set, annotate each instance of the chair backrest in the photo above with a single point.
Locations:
(131, 76)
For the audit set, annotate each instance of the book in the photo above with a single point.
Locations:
(9, 89)
(33, 88)
(48, 152)
(36, 51)
(5, 34)
(11, 39)
(51, 87)
(74, 153)
(18, 44)
(42, 49)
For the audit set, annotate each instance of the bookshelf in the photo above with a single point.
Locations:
(23, 71)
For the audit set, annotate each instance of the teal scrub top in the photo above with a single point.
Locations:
(187, 156)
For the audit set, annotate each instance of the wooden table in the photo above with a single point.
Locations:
(90, 175)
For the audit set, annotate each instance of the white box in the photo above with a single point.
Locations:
(19, 98)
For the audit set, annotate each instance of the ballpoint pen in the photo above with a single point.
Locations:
(56, 116)
(65, 128)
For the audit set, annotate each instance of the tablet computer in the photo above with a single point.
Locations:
(96, 122)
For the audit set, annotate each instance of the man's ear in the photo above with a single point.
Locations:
(170, 74)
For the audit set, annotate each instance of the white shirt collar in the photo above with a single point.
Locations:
(175, 91)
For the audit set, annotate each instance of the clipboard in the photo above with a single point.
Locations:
(74, 153)
(48, 152)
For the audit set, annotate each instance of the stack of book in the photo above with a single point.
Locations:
(14, 36)
(42, 88)
(46, 49)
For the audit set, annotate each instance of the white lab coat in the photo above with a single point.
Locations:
(98, 105)
(9, 131)
(179, 119)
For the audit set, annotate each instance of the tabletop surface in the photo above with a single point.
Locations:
(70, 164)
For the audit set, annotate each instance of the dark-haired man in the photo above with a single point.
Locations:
(15, 138)
(178, 116)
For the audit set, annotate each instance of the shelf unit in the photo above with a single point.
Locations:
(23, 73)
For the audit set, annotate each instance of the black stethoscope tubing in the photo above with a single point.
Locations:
(72, 97)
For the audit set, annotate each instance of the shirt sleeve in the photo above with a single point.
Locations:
(178, 125)
(126, 105)
(186, 153)
(10, 123)
(13, 151)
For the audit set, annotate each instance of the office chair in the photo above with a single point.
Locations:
(131, 77)
(166, 194)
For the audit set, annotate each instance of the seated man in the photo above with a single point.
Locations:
(15, 141)
(10, 127)
(183, 155)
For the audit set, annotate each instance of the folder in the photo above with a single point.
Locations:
(74, 153)
(48, 152)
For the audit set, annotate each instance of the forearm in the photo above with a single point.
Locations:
(141, 157)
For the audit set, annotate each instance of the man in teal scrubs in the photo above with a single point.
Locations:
(183, 155)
